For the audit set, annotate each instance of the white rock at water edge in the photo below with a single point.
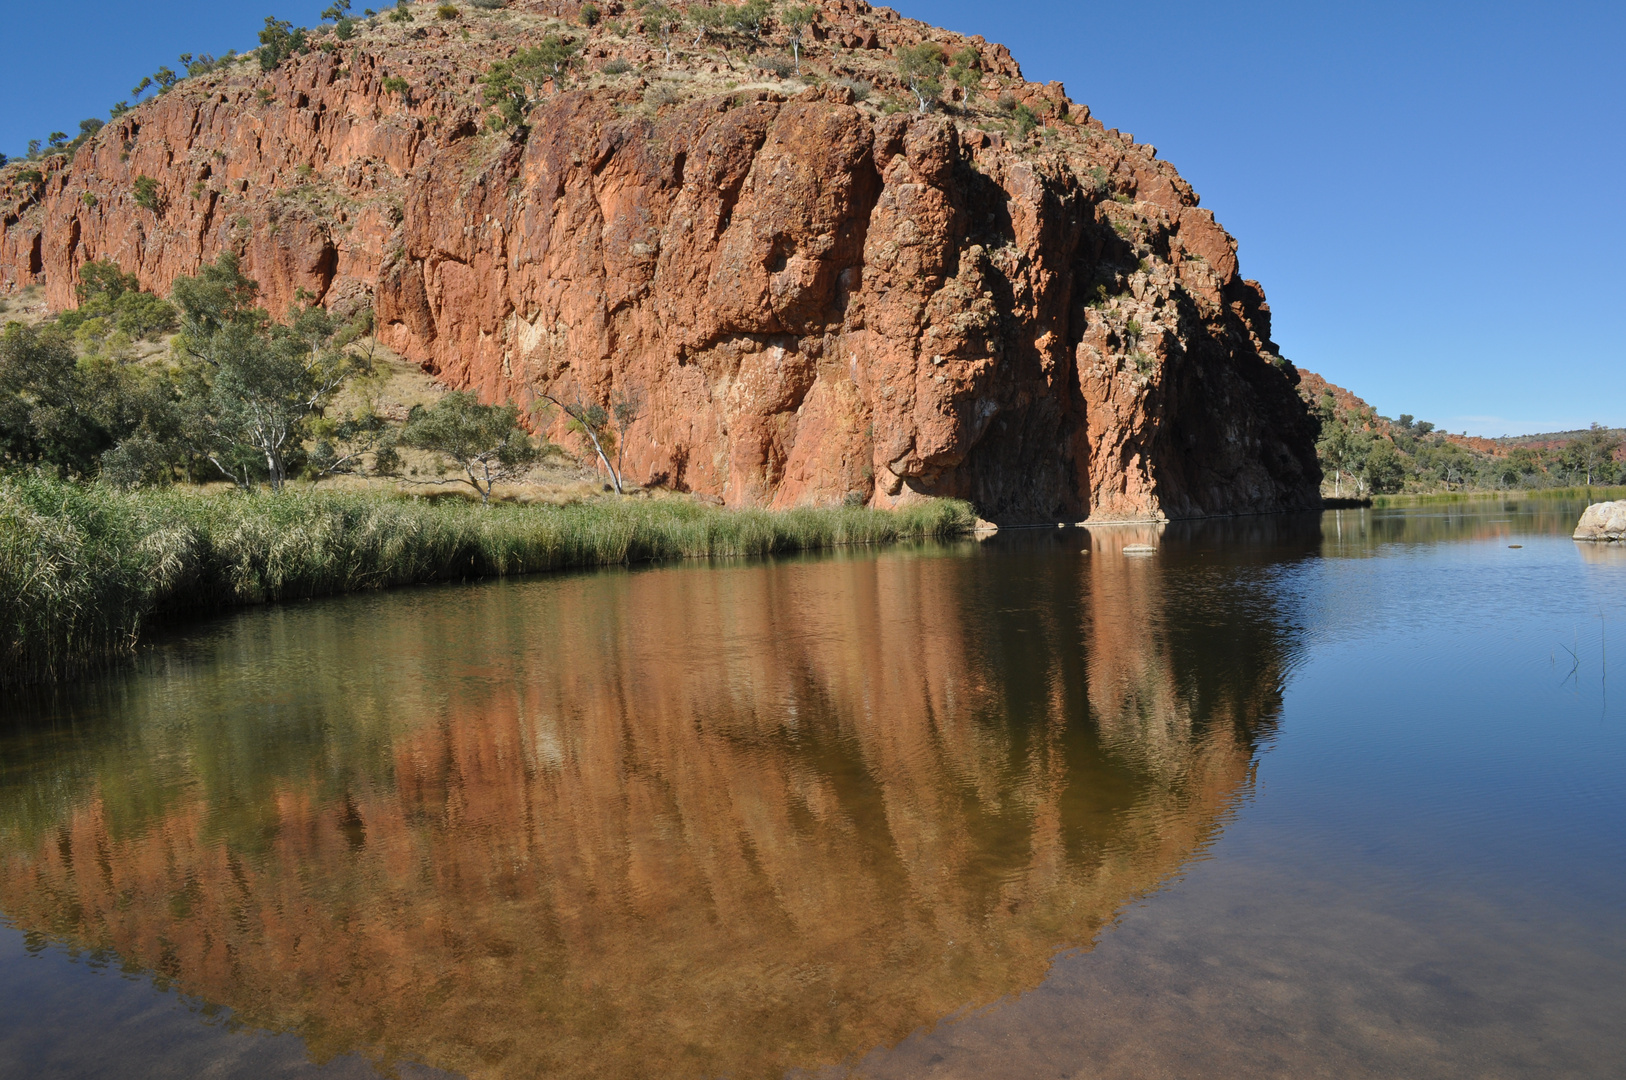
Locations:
(1603, 521)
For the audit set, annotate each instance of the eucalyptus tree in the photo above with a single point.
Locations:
(251, 388)
(486, 442)
(922, 69)
(797, 19)
(514, 85)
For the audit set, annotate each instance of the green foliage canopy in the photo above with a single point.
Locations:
(513, 85)
(922, 69)
(252, 390)
(486, 442)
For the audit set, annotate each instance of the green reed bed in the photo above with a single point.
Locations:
(83, 569)
(1596, 493)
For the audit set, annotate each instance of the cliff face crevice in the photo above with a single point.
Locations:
(811, 299)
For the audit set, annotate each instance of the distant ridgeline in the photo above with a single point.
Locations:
(1363, 453)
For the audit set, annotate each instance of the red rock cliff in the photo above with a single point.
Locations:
(815, 297)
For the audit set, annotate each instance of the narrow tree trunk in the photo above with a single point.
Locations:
(615, 477)
(271, 467)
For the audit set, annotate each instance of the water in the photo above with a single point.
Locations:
(1331, 795)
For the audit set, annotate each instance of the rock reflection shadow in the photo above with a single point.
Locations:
(685, 822)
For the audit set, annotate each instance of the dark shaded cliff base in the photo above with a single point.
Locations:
(813, 290)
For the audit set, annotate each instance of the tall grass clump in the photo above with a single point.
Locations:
(84, 568)
(75, 579)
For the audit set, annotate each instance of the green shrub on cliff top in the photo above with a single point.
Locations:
(278, 41)
(512, 86)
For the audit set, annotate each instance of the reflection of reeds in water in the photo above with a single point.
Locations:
(84, 569)
(682, 823)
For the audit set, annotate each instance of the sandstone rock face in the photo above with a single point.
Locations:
(811, 298)
(1603, 521)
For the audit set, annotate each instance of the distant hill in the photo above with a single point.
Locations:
(1414, 456)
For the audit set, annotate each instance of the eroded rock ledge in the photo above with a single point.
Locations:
(814, 298)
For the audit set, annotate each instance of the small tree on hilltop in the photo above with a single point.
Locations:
(553, 57)
(706, 19)
(797, 19)
(966, 71)
(278, 41)
(662, 23)
(486, 441)
(922, 69)
(514, 85)
(749, 16)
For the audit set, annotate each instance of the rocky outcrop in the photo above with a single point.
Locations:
(1603, 521)
(810, 297)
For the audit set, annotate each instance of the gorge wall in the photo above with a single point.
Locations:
(814, 292)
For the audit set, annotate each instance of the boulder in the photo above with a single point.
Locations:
(1603, 522)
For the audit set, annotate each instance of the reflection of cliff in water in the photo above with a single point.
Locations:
(689, 822)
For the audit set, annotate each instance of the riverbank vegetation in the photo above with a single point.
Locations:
(85, 569)
(1363, 454)
(1446, 498)
(114, 417)
(139, 392)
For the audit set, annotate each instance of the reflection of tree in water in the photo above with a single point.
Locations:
(687, 822)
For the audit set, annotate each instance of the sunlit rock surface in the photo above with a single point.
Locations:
(1603, 521)
(813, 297)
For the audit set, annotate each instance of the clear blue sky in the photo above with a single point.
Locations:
(1430, 193)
